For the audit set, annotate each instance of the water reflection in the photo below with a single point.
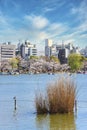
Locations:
(56, 122)
(15, 116)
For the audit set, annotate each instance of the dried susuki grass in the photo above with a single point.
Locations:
(60, 97)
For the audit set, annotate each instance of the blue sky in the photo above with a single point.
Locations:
(37, 20)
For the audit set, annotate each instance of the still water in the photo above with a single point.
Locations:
(24, 88)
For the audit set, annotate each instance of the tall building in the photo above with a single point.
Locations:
(84, 52)
(47, 51)
(48, 46)
(27, 50)
(7, 51)
(48, 42)
(63, 55)
(61, 51)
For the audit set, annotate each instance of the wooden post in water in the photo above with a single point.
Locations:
(75, 105)
(15, 105)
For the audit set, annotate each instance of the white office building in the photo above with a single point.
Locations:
(28, 50)
(7, 51)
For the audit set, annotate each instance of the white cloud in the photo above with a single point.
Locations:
(40, 28)
(15, 6)
(53, 3)
(37, 28)
(80, 16)
(58, 28)
(3, 20)
(69, 41)
(80, 11)
(38, 22)
(82, 27)
(84, 36)
(47, 9)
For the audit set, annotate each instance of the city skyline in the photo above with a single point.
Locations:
(37, 20)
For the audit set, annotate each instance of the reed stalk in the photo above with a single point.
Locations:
(59, 97)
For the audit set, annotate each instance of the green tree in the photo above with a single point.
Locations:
(75, 61)
(18, 62)
(34, 57)
(14, 63)
(54, 59)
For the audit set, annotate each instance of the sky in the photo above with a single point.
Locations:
(37, 20)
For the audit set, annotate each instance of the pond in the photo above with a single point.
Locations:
(24, 88)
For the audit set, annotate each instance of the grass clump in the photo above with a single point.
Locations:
(59, 97)
(41, 104)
